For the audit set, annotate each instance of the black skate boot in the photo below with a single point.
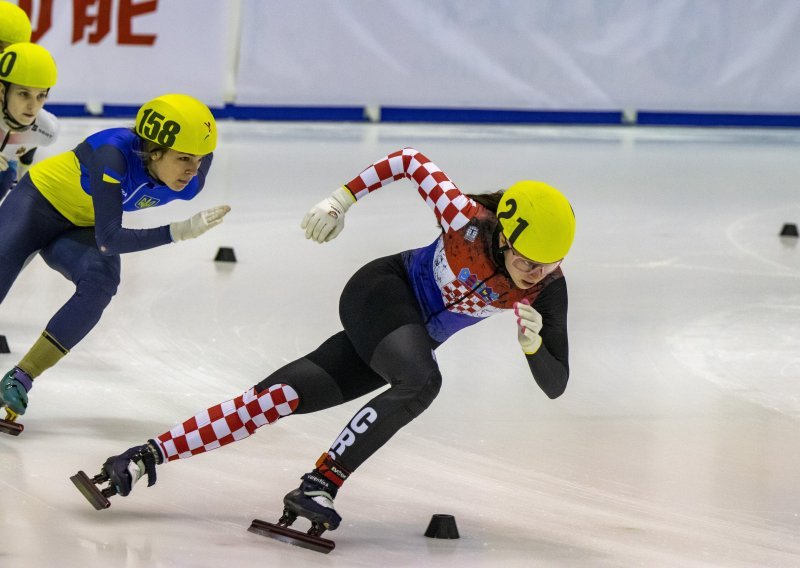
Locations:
(126, 469)
(122, 472)
(313, 500)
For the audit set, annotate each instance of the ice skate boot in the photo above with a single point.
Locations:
(121, 472)
(313, 500)
(14, 387)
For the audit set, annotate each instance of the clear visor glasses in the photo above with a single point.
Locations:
(523, 264)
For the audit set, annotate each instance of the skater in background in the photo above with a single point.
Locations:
(69, 207)
(27, 72)
(24, 124)
(15, 26)
(496, 252)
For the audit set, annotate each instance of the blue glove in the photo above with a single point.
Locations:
(14, 389)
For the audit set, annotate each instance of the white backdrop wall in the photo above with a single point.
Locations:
(671, 55)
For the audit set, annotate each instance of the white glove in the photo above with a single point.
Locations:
(529, 323)
(198, 223)
(326, 219)
(3, 163)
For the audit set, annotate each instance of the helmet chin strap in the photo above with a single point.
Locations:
(497, 252)
(12, 122)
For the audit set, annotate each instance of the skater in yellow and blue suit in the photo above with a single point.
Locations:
(69, 208)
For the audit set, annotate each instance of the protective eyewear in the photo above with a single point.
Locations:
(523, 264)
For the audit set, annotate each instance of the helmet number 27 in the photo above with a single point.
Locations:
(509, 214)
(155, 128)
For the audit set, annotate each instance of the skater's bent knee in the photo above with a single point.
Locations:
(102, 278)
(426, 393)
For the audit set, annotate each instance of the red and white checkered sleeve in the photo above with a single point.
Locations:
(452, 208)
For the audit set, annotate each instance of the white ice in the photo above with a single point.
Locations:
(676, 443)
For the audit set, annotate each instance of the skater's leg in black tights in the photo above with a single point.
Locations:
(384, 343)
(405, 358)
(383, 322)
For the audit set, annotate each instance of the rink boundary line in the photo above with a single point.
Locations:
(437, 115)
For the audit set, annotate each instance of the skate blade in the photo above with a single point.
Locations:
(89, 490)
(11, 427)
(297, 538)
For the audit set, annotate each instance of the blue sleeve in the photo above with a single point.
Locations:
(112, 238)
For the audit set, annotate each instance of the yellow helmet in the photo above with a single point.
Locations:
(15, 26)
(537, 220)
(179, 122)
(28, 64)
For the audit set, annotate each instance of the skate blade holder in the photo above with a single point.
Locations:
(292, 536)
(10, 424)
(88, 488)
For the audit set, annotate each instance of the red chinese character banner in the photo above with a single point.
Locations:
(127, 51)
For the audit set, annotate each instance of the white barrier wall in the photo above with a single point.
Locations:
(678, 55)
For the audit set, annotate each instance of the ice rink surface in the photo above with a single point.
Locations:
(675, 444)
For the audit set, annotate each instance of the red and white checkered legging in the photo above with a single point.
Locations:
(227, 422)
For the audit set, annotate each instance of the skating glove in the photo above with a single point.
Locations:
(14, 389)
(198, 223)
(326, 219)
(529, 323)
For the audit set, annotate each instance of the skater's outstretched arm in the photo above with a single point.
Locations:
(108, 167)
(452, 208)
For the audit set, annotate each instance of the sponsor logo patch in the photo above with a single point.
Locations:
(484, 291)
